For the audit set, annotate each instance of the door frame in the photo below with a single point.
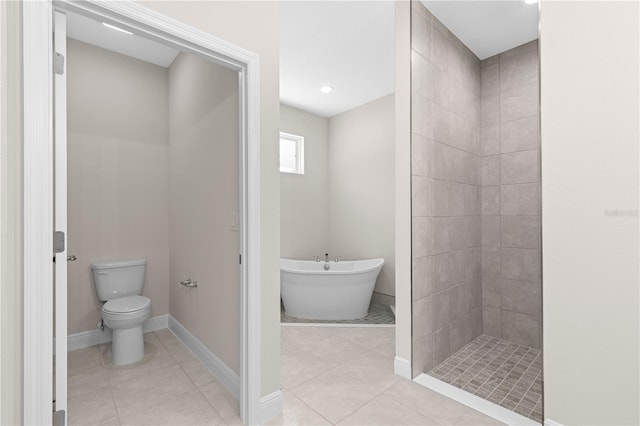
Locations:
(38, 188)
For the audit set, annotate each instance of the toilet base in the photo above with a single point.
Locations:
(127, 346)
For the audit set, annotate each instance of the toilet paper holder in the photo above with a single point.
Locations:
(189, 283)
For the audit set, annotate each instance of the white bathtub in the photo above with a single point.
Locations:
(343, 292)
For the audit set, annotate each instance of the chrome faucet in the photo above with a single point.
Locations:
(337, 259)
(326, 257)
(317, 258)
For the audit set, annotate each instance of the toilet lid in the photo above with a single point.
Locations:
(127, 304)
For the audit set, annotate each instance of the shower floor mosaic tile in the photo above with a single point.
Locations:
(378, 314)
(499, 371)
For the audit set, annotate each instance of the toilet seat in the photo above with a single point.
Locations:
(126, 305)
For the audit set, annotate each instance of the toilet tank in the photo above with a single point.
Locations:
(118, 278)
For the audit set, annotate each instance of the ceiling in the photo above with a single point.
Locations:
(93, 32)
(348, 45)
(488, 27)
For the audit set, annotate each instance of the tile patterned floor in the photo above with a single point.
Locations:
(499, 371)
(344, 375)
(330, 375)
(378, 314)
(169, 387)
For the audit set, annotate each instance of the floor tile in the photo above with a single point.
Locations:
(296, 412)
(385, 410)
(427, 402)
(372, 369)
(225, 404)
(475, 418)
(334, 395)
(91, 407)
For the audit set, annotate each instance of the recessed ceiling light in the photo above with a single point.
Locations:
(113, 27)
(326, 89)
(531, 1)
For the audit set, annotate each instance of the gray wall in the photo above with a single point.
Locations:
(475, 193)
(203, 193)
(341, 203)
(304, 199)
(361, 185)
(446, 234)
(510, 175)
(118, 150)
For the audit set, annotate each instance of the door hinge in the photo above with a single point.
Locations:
(59, 418)
(58, 63)
(58, 242)
(240, 258)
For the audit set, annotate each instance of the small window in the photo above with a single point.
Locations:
(291, 153)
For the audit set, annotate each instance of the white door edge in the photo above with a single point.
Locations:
(38, 191)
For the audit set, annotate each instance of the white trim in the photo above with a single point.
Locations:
(38, 212)
(270, 406)
(324, 324)
(223, 373)
(85, 339)
(479, 404)
(38, 198)
(549, 422)
(402, 367)
(60, 209)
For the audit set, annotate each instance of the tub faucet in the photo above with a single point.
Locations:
(337, 259)
(326, 257)
(317, 258)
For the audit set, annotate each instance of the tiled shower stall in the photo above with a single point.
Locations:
(475, 213)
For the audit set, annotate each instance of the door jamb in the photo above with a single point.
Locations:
(38, 189)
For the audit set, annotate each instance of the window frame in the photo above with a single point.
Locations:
(299, 152)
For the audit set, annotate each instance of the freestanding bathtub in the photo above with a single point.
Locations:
(340, 293)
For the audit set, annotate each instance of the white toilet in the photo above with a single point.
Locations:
(119, 283)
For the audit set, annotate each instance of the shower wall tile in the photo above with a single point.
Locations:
(421, 32)
(490, 167)
(518, 69)
(447, 234)
(491, 292)
(520, 167)
(521, 264)
(440, 198)
(490, 79)
(520, 199)
(422, 284)
(421, 80)
(441, 345)
(510, 195)
(519, 102)
(522, 297)
(440, 123)
(457, 267)
(465, 329)
(437, 234)
(420, 237)
(440, 271)
(456, 199)
(490, 200)
(491, 321)
(422, 355)
(490, 110)
(421, 196)
(422, 116)
(520, 135)
(491, 261)
(422, 317)
(491, 231)
(520, 231)
(521, 329)
(441, 313)
(439, 44)
(420, 156)
(490, 140)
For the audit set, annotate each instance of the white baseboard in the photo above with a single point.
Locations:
(270, 406)
(402, 367)
(479, 404)
(549, 422)
(226, 375)
(85, 339)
